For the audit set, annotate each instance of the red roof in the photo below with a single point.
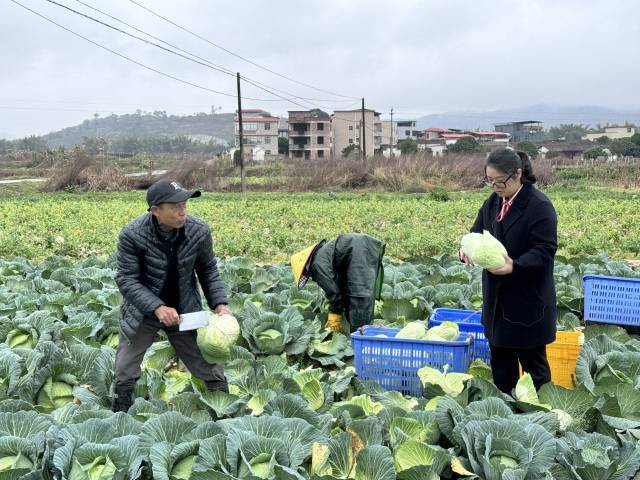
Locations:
(437, 130)
(455, 135)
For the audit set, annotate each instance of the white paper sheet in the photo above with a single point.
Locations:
(191, 321)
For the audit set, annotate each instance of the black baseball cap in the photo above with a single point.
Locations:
(166, 191)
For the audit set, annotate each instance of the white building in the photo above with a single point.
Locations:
(259, 128)
(407, 129)
(345, 125)
(613, 133)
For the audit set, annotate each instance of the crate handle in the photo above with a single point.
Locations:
(464, 320)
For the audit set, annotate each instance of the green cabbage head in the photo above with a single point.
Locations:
(182, 469)
(101, 468)
(216, 339)
(483, 249)
(112, 341)
(14, 462)
(18, 338)
(445, 332)
(414, 330)
(54, 394)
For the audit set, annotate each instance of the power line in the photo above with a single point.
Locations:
(237, 55)
(356, 121)
(198, 57)
(140, 64)
(208, 63)
(149, 42)
(226, 70)
(256, 84)
(275, 94)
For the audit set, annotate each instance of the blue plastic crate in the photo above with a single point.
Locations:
(613, 300)
(469, 321)
(393, 363)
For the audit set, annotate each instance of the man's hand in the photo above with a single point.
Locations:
(506, 269)
(464, 258)
(222, 309)
(167, 315)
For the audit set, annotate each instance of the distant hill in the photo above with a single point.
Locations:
(550, 115)
(219, 127)
(201, 126)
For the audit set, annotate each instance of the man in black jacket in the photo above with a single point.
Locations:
(349, 270)
(160, 255)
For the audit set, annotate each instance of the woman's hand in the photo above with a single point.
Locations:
(464, 258)
(506, 269)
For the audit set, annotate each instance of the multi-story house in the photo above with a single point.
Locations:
(259, 134)
(407, 129)
(309, 134)
(529, 130)
(346, 130)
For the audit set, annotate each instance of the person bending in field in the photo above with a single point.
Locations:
(349, 270)
(160, 256)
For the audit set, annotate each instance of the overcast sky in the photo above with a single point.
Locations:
(415, 56)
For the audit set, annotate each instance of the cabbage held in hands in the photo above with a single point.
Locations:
(216, 339)
(483, 249)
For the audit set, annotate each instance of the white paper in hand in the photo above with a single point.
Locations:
(191, 321)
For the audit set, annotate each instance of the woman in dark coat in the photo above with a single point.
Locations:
(519, 298)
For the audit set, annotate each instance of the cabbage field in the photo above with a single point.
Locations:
(295, 409)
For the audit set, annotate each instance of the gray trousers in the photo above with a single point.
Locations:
(129, 357)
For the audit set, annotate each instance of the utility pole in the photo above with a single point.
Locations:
(243, 180)
(391, 138)
(362, 134)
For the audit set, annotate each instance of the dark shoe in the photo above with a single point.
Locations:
(217, 386)
(122, 399)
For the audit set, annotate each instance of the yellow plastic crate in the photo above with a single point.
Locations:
(562, 356)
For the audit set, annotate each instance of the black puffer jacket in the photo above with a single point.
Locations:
(143, 267)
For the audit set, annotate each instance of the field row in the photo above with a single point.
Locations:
(270, 226)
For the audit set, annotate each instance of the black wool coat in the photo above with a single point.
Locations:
(519, 309)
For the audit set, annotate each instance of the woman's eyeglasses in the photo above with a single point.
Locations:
(497, 182)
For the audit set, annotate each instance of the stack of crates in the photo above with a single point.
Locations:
(562, 354)
(393, 363)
